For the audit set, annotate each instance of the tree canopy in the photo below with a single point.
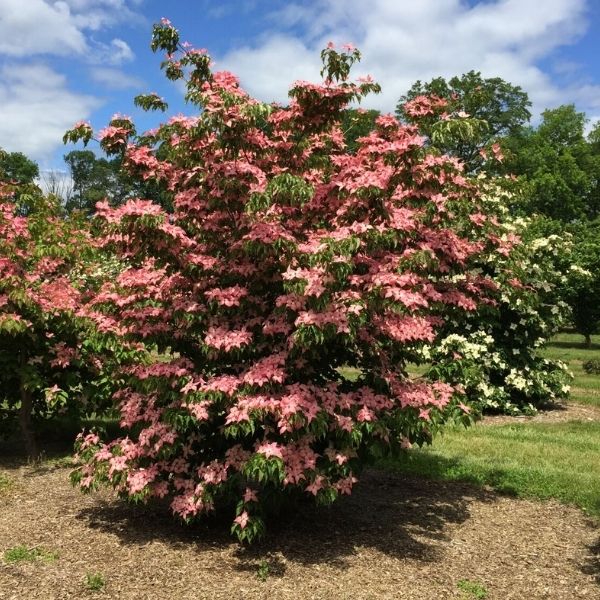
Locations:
(16, 167)
(559, 168)
(494, 107)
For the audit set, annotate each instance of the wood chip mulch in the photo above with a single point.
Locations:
(561, 413)
(396, 537)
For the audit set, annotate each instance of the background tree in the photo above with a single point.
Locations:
(558, 173)
(491, 108)
(16, 167)
(594, 137)
(94, 179)
(559, 168)
(582, 290)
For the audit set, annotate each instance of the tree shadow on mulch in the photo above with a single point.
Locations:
(403, 516)
(592, 564)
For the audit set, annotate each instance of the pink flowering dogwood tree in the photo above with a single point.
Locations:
(42, 351)
(286, 262)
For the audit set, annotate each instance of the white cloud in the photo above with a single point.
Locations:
(56, 181)
(35, 103)
(115, 79)
(121, 51)
(404, 41)
(266, 70)
(225, 9)
(593, 121)
(60, 27)
(115, 53)
(37, 108)
(99, 14)
(36, 27)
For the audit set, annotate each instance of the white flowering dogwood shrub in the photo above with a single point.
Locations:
(494, 352)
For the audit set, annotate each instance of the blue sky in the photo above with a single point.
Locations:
(66, 60)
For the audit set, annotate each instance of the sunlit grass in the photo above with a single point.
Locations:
(5, 483)
(570, 348)
(23, 553)
(538, 460)
(535, 460)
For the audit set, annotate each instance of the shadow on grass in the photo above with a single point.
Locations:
(572, 345)
(399, 515)
(440, 469)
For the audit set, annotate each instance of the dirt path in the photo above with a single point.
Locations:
(396, 537)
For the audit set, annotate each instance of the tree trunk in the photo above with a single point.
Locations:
(26, 425)
(588, 340)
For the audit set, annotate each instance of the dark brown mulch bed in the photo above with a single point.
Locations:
(396, 537)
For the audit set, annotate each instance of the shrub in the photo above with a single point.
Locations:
(494, 352)
(592, 366)
(286, 258)
(37, 305)
(52, 363)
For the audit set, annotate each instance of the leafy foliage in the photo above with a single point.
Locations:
(582, 288)
(51, 361)
(17, 168)
(94, 179)
(476, 113)
(286, 257)
(560, 169)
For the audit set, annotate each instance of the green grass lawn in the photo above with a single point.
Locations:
(526, 459)
(5, 482)
(538, 460)
(569, 347)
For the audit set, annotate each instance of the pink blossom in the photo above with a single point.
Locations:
(227, 296)
(497, 150)
(405, 443)
(344, 485)
(250, 495)
(242, 519)
(199, 411)
(270, 449)
(365, 414)
(226, 384)
(266, 370)
(221, 339)
(318, 484)
(138, 480)
(236, 456)
(214, 473)
(423, 105)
